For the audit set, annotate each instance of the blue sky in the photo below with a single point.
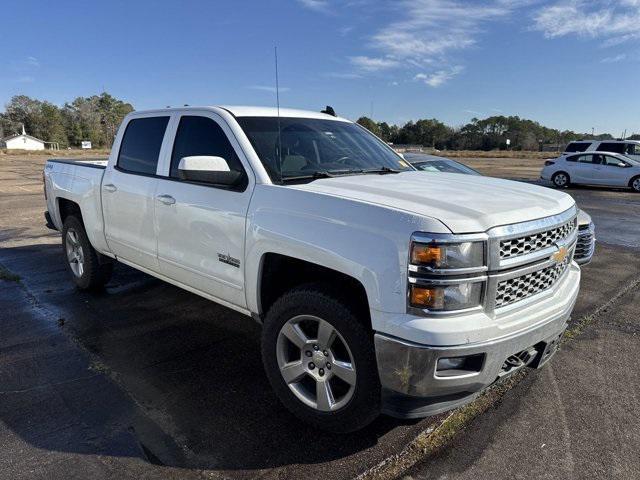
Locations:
(569, 64)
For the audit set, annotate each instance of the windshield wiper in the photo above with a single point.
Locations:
(381, 170)
(311, 176)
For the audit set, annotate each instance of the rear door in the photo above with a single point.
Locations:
(201, 227)
(128, 191)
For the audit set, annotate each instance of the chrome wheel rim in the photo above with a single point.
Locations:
(75, 254)
(561, 180)
(636, 184)
(316, 363)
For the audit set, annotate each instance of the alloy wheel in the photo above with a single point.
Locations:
(75, 254)
(316, 363)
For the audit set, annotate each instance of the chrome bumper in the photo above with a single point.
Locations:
(413, 386)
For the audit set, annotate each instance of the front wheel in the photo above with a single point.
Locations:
(560, 179)
(635, 184)
(320, 360)
(83, 262)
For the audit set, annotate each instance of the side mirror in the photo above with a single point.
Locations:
(622, 164)
(207, 169)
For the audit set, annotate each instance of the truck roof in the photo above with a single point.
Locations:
(250, 111)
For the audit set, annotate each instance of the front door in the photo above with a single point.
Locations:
(201, 227)
(128, 192)
(614, 172)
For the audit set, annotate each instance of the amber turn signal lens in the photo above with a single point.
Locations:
(426, 297)
(426, 254)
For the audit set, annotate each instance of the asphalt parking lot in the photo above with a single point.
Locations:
(148, 381)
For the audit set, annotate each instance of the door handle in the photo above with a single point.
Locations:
(166, 199)
(110, 187)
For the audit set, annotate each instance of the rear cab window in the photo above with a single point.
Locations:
(140, 146)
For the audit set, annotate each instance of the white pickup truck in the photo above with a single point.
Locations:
(380, 288)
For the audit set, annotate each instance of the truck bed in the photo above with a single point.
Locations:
(83, 162)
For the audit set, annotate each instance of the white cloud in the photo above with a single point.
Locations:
(32, 62)
(615, 21)
(439, 77)
(373, 64)
(343, 75)
(424, 35)
(267, 88)
(615, 58)
(25, 79)
(317, 5)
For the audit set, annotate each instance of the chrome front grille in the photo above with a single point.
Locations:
(519, 288)
(525, 244)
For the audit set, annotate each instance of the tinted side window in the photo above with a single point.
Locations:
(612, 161)
(632, 149)
(612, 147)
(141, 144)
(596, 159)
(577, 146)
(202, 136)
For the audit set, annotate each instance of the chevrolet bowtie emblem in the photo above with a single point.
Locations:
(560, 255)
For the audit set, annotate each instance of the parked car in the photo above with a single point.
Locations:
(629, 148)
(586, 245)
(593, 168)
(377, 291)
(433, 163)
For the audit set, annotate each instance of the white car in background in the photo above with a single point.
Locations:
(628, 148)
(593, 168)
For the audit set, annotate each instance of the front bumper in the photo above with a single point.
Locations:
(412, 386)
(415, 386)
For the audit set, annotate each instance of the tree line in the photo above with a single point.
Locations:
(94, 118)
(97, 118)
(490, 133)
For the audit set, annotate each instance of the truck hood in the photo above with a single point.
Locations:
(464, 203)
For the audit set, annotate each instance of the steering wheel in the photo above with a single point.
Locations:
(343, 160)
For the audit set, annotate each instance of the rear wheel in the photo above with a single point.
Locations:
(83, 262)
(320, 360)
(560, 179)
(635, 184)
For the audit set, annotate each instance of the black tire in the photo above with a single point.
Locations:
(319, 301)
(558, 177)
(634, 183)
(95, 273)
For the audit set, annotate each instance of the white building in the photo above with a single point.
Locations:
(22, 142)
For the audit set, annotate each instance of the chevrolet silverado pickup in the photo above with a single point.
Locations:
(380, 289)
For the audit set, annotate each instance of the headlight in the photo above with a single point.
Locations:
(458, 296)
(446, 256)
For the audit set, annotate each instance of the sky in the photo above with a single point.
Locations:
(569, 64)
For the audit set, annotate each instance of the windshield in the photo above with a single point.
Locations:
(445, 165)
(314, 148)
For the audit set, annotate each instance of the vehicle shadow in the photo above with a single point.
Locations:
(164, 375)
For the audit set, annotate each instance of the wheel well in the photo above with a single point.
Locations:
(281, 273)
(68, 207)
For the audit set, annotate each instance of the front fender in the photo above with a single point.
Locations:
(365, 241)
